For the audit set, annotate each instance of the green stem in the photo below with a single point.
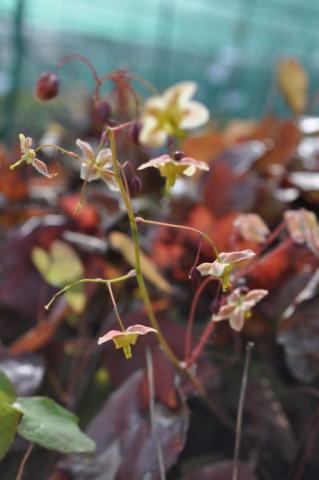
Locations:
(89, 280)
(181, 227)
(139, 275)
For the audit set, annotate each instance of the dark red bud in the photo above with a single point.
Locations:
(195, 275)
(178, 155)
(133, 132)
(135, 185)
(102, 111)
(47, 86)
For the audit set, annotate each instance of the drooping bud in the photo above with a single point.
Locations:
(102, 111)
(195, 275)
(133, 132)
(47, 86)
(135, 185)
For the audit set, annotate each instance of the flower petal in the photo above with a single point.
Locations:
(94, 174)
(86, 149)
(181, 92)
(156, 162)
(109, 336)
(42, 168)
(140, 329)
(254, 296)
(195, 115)
(204, 268)
(236, 321)
(232, 257)
(224, 312)
(104, 158)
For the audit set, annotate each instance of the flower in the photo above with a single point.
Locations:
(171, 113)
(171, 169)
(47, 86)
(29, 156)
(124, 339)
(303, 228)
(238, 307)
(223, 266)
(97, 166)
(252, 227)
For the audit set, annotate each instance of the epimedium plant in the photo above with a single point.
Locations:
(160, 121)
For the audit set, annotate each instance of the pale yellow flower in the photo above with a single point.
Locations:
(170, 114)
(172, 169)
(125, 339)
(252, 227)
(303, 227)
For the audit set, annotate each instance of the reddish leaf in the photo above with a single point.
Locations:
(126, 448)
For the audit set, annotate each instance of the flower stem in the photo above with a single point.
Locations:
(109, 287)
(181, 227)
(24, 461)
(89, 280)
(190, 321)
(135, 237)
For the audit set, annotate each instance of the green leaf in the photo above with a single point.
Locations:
(49, 425)
(9, 419)
(60, 266)
(7, 393)
(9, 416)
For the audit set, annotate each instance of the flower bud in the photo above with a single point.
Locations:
(178, 155)
(102, 111)
(133, 132)
(135, 185)
(194, 275)
(47, 86)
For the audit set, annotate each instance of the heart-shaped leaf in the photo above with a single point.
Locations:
(49, 425)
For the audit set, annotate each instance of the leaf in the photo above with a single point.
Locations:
(9, 416)
(9, 419)
(293, 82)
(124, 244)
(126, 448)
(49, 425)
(7, 393)
(60, 266)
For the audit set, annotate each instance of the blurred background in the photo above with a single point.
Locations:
(229, 46)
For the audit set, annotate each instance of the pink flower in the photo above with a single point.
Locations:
(223, 266)
(238, 307)
(172, 169)
(124, 339)
(252, 227)
(303, 228)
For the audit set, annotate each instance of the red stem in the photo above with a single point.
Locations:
(202, 342)
(190, 321)
(87, 62)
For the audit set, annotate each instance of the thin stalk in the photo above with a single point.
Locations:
(239, 422)
(150, 380)
(109, 287)
(89, 280)
(190, 321)
(24, 461)
(181, 227)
